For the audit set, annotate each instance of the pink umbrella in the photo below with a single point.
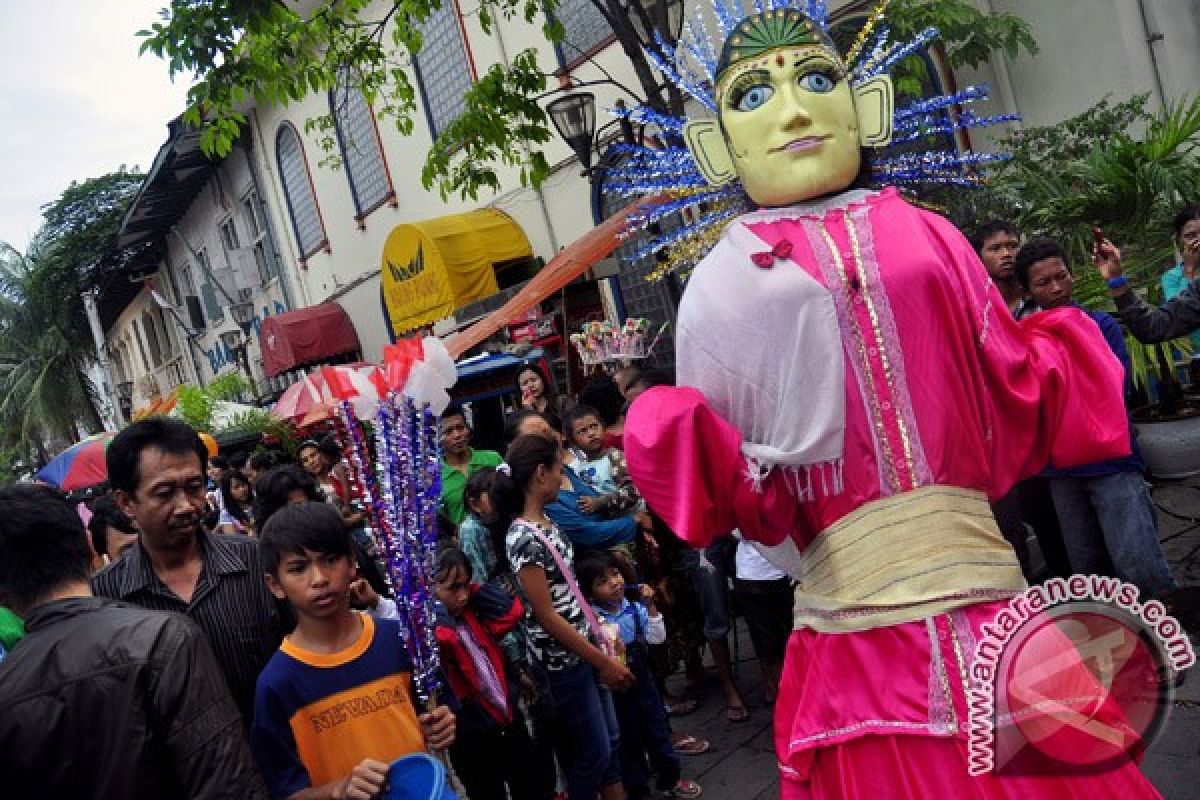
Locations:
(297, 400)
(362, 384)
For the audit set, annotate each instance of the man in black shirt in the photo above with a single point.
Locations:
(157, 471)
(1179, 316)
(101, 699)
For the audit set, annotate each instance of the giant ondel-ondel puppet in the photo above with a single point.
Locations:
(851, 392)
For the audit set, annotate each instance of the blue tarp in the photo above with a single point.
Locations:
(471, 370)
(489, 362)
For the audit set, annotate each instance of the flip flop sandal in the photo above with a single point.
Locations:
(683, 789)
(681, 708)
(737, 714)
(691, 746)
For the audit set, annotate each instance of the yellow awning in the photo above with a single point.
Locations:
(435, 266)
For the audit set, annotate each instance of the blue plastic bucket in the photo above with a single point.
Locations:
(417, 777)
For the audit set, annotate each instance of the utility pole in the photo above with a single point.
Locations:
(107, 386)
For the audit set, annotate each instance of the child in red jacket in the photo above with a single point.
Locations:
(492, 748)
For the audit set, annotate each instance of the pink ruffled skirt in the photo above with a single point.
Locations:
(883, 714)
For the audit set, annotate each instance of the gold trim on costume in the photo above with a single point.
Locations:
(903, 558)
(872, 390)
(881, 346)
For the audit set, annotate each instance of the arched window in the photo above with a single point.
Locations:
(168, 335)
(141, 348)
(443, 67)
(298, 191)
(118, 360)
(362, 152)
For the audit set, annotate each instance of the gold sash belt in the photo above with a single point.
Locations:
(904, 558)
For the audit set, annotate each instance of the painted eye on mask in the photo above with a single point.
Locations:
(818, 82)
(752, 97)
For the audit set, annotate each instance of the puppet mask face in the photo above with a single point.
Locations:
(790, 125)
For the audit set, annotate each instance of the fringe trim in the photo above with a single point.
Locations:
(802, 479)
(756, 473)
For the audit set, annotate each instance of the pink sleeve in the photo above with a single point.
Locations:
(686, 461)
(1052, 388)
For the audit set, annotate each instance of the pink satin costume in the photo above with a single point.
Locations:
(942, 387)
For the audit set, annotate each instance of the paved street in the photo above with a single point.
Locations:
(1173, 763)
(741, 764)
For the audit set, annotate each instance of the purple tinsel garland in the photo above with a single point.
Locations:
(402, 507)
(411, 456)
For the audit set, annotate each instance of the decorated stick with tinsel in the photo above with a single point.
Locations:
(410, 459)
(361, 477)
(410, 484)
(402, 509)
(402, 488)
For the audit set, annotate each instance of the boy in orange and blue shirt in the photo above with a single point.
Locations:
(334, 707)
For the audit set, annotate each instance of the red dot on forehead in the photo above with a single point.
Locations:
(779, 59)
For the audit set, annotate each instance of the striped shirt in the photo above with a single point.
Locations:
(525, 549)
(231, 604)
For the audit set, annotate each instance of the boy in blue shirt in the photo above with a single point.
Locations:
(1104, 508)
(334, 707)
(641, 714)
(601, 468)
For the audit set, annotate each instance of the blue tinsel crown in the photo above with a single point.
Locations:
(668, 169)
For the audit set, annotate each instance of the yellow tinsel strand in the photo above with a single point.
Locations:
(856, 48)
(687, 253)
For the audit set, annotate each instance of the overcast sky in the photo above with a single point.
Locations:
(76, 101)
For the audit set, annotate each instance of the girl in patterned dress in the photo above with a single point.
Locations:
(577, 673)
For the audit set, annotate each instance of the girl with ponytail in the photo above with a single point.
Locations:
(577, 672)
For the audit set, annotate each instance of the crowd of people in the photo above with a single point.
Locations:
(291, 678)
(1096, 518)
(564, 602)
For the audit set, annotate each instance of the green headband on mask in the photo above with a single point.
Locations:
(761, 33)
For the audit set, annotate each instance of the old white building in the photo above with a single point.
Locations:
(217, 257)
(336, 221)
(277, 225)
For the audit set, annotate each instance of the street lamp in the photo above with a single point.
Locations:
(243, 317)
(574, 113)
(574, 117)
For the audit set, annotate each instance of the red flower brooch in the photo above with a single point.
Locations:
(766, 259)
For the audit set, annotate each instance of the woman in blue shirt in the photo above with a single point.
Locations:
(588, 531)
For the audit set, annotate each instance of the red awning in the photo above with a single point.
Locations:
(305, 337)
